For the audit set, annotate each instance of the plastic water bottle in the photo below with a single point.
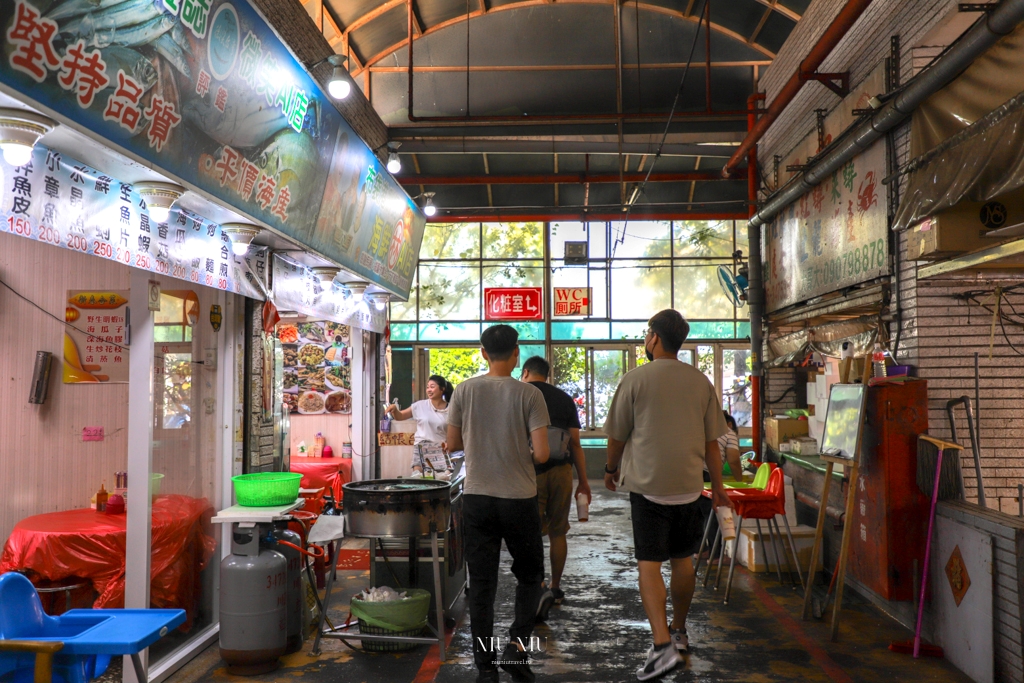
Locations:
(582, 507)
(878, 361)
(726, 522)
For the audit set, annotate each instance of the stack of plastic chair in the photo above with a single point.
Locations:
(767, 505)
(30, 641)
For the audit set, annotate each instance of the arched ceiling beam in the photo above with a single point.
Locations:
(391, 4)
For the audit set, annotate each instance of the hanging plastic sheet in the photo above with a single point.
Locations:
(826, 339)
(967, 140)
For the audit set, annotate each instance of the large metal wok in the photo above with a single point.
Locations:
(390, 508)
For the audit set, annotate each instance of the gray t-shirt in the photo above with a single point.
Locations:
(665, 412)
(496, 415)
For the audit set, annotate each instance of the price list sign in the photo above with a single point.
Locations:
(96, 337)
(57, 200)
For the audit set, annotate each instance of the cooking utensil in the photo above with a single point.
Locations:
(389, 508)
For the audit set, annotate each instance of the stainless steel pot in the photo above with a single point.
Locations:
(389, 508)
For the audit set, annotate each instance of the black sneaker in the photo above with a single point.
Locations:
(487, 675)
(559, 595)
(547, 599)
(516, 662)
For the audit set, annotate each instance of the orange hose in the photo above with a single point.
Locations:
(314, 555)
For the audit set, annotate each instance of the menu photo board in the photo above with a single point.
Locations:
(96, 337)
(317, 367)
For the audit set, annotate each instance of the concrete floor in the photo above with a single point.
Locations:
(600, 633)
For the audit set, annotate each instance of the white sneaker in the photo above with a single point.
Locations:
(658, 662)
(681, 640)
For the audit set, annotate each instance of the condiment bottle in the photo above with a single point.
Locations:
(101, 498)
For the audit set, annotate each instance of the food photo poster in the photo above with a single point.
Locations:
(317, 367)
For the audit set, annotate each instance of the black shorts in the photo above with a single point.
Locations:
(661, 532)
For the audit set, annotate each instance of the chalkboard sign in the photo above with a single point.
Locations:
(843, 422)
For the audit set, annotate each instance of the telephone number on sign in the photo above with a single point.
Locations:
(870, 257)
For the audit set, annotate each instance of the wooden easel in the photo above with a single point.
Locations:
(844, 546)
(851, 495)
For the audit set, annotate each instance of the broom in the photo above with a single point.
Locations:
(938, 473)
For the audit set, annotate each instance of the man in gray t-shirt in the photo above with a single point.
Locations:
(496, 420)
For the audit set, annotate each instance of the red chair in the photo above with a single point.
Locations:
(758, 505)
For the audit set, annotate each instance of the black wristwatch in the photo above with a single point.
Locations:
(608, 471)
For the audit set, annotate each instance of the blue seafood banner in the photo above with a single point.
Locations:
(56, 200)
(206, 91)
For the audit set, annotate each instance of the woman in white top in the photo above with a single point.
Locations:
(431, 417)
(729, 446)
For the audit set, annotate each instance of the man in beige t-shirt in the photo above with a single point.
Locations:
(663, 427)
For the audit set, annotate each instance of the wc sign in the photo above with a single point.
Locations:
(572, 301)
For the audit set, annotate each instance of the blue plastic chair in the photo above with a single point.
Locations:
(90, 637)
(22, 618)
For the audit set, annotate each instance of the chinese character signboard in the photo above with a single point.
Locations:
(205, 90)
(833, 237)
(96, 337)
(56, 200)
(297, 288)
(572, 301)
(513, 303)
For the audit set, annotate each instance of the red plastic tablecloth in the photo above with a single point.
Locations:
(323, 472)
(91, 545)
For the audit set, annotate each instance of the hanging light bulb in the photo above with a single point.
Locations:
(159, 198)
(326, 274)
(379, 300)
(394, 163)
(19, 132)
(339, 86)
(357, 289)
(241, 236)
(429, 210)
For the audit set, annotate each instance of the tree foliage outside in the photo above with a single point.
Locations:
(451, 289)
(457, 364)
(569, 370)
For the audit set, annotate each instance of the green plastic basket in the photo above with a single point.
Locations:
(265, 489)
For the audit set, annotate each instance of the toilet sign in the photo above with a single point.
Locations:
(513, 303)
(572, 301)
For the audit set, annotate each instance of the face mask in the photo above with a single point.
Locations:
(650, 354)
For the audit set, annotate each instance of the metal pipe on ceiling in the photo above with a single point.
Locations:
(547, 146)
(563, 178)
(499, 216)
(835, 32)
(997, 23)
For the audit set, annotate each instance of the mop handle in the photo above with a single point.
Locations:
(927, 554)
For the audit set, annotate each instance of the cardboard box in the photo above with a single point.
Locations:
(779, 429)
(751, 555)
(804, 445)
(965, 227)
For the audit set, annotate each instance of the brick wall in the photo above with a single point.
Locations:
(860, 52)
(776, 382)
(950, 332)
(297, 30)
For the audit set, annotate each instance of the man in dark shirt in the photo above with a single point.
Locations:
(554, 478)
